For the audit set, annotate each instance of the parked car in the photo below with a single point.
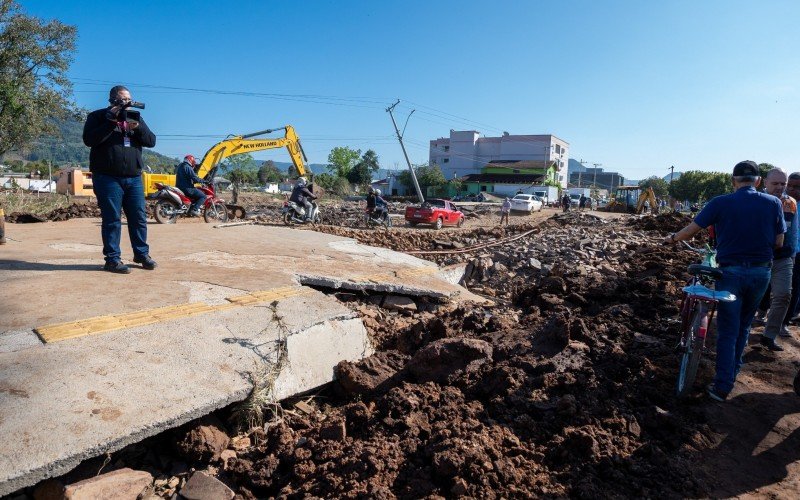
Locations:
(438, 212)
(526, 203)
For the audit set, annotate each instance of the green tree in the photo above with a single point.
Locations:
(763, 168)
(269, 173)
(659, 185)
(342, 159)
(430, 176)
(697, 186)
(717, 184)
(333, 184)
(240, 169)
(35, 56)
(362, 172)
(427, 176)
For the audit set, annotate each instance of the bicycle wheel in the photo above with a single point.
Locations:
(692, 350)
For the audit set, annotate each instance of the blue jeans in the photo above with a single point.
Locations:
(734, 319)
(115, 194)
(198, 197)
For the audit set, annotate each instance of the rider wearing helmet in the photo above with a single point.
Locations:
(376, 205)
(185, 179)
(302, 196)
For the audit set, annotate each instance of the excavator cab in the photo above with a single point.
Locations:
(625, 199)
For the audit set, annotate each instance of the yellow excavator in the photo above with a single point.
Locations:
(234, 145)
(631, 199)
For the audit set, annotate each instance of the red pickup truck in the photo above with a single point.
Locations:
(437, 212)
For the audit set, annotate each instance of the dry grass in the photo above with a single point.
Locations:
(18, 200)
(261, 403)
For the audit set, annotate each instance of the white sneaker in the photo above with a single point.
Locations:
(785, 332)
(760, 320)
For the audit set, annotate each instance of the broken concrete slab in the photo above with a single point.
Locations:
(116, 383)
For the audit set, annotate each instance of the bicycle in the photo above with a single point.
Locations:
(697, 311)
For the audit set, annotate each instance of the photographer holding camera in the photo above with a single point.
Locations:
(116, 135)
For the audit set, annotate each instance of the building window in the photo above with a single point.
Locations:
(446, 160)
(446, 149)
(558, 148)
(483, 188)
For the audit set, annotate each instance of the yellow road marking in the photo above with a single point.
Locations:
(111, 322)
(102, 324)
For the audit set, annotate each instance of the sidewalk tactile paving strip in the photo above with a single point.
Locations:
(102, 324)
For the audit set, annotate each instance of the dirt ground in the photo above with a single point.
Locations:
(563, 387)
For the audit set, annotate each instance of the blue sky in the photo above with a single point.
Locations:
(635, 85)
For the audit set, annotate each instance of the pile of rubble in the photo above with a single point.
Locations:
(74, 211)
(563, 388)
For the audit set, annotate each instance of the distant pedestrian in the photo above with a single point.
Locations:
(749, 225)
(504, 211)
(115, 159)
(582, 202)
(565, 201)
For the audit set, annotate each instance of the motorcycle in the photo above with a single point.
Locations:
(377, 217)
(294, 213)
(173, 203)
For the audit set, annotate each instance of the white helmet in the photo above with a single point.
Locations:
(302, 181)
(377, 192)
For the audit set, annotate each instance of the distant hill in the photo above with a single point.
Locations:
(66, 146)
(675, 177)
(320, 168)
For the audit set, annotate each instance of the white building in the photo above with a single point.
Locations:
(466, 152)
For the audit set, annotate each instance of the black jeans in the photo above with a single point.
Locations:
(795, 291)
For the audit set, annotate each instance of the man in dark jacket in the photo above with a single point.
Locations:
(185, 179)
(115, 161)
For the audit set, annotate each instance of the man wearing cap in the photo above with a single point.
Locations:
(749, 225)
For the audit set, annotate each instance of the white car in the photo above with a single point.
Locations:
(526, 203)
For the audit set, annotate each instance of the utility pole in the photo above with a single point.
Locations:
(594, 179)
(671, 173)
(408, 162)
(580, 172)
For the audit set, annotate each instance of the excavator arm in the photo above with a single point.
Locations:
(246, 144)
(235, 145)
(650, 197)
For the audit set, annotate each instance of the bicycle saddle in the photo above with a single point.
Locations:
(711, 272)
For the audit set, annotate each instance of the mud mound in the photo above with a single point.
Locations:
(71, 212)
(666, 223)
(563, 388)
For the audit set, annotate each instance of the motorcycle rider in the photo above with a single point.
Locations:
(376, 205)
(185, 179)
(381, 206)
(302, 196)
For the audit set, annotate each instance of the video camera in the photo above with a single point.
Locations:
(131, 104)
